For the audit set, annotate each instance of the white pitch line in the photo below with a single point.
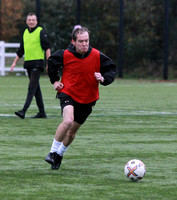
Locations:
(119, 112)
(20, 105)
(156, 112)
(6, 115)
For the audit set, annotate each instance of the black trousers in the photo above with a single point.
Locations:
(34, 90)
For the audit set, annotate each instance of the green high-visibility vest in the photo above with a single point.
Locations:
(32, 45)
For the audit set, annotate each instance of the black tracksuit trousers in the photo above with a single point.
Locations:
(34, 90)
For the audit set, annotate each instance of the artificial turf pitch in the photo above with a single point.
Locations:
(132, 119)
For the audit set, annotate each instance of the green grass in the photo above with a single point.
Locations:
(132, 119)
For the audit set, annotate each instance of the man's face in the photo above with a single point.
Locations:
(31, 21)
(82, 43)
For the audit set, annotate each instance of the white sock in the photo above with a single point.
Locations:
(62, 149)
(55, 146)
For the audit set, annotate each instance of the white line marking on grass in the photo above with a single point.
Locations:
(112, 110)
(6, 115)
(33, 106)
(134, 112)
(156, 112)
(22, 86)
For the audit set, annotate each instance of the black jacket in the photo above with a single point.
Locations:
(44, 44)
(55, 62)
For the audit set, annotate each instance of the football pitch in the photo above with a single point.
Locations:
(132, 119)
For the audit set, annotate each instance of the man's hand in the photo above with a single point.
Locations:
(58, 86)
(12, 66)
(99, 77)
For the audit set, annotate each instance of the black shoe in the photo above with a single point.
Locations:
(50, 158)
(58, 160)
(20, 114)
(40, 115)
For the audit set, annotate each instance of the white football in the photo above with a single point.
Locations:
(135, 170)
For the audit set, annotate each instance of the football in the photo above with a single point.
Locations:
(135, 170)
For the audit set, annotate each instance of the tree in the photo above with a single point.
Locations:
(143, 29)
(11, 13)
